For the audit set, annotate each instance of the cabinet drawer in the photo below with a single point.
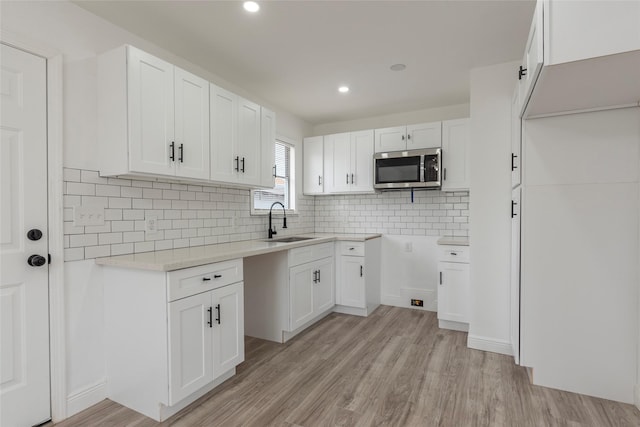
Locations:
(310, 253)
(449, 253)
(351, 248)
(191, 281)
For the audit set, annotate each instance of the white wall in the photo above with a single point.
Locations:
(489, 206)
(450, 112)
(80, 37)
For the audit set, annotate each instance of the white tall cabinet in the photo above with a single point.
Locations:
(153, 117)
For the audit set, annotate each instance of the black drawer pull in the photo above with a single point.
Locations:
(206, 279)
(217, 276)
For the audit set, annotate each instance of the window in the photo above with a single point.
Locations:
(284, 191)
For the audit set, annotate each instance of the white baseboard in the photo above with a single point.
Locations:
(87, 397)
(637, 396)
(489, 344)
(454, 326)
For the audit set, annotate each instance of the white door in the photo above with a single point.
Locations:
(191, 322)
(338, 171)
(352, 281)
(324, 287)
(228, 328)
(192, 125)
(515, 274)
(24, 289)
(362, 160)
(249, 142)
(301, 280)
(312, 168)
(455, 155)
(426, 135)
(151, 108)
(391, 139)
(453, 292)
(267, 148)
(516, 139)
(224, 132)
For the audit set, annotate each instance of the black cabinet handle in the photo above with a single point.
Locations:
(217, 276)
(441, 277)
(347, 178)
(513, 165)
(181, 153)
(513, 205)
(237, 160)
(352, 178)
(360, 271)
(403, 137)
(521, 72)
(319, 280)
(173, 151)
(444, 174)
(274, 170)
(319, 183)
(206, 279)
(453, 253)
(315, 276)
(210, 321)
(409, 136)
(243, 165)
(219, 313)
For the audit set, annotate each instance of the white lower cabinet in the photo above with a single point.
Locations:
(358, 277)
(172, 336)
(453, 287)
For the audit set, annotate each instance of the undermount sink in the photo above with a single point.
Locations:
(289, 239)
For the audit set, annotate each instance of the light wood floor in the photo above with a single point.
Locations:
(395, 368)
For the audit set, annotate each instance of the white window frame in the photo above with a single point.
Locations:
(292, 182)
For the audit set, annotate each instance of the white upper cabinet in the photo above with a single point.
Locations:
(268, 154)
(236, 140)
(312, 165)
(576, 46)
(455, 155)
(153, 117)
(348, 162)
(412, 137)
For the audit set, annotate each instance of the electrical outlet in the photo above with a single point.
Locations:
(88, 215)
(151, 224)
(408, 247)
(417, 303)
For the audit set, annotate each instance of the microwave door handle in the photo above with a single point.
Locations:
(422, 168)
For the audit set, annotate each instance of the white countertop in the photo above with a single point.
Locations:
(176, 259)
(454, 241)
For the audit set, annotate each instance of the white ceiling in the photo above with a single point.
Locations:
(295, 54)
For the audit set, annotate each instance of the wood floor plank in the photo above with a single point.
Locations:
(394, 368)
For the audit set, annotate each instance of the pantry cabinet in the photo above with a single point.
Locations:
(153, 117)
(455, 155)
(411, 137)
(172, 336)
(348, 162)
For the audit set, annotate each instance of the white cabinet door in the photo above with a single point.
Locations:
(338, 171)
(312, 165)
(390, 139)
(190, 350)
(150, 113)
(249, 142)
(324, 286)
(453, 292)
(533, 56)
(515, 274)
(228, 328)
(224, 128)
(362, 161)
(426, 135)
(301, 295)
(455, 155)
(516, 139)
(191, 125)
(352, 291)
(267, 149)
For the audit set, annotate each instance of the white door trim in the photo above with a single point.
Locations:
(56, 233)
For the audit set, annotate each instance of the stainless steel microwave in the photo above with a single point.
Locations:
(407, 169)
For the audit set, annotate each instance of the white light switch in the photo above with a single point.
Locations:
(88, 215)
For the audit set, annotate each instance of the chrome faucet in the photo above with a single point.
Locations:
(272, 230)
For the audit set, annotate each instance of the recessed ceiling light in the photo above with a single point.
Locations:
(251, 6)
(398, 67)
(343, 89)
